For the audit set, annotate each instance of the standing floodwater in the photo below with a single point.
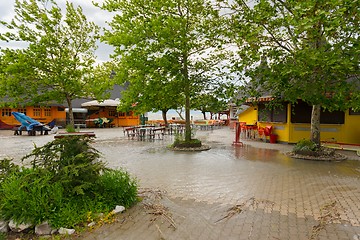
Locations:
(227, 192)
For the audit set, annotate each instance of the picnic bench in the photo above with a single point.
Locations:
(143, 132)
(43, 130)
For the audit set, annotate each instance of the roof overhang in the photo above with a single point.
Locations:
(260, 99)
(77, 110)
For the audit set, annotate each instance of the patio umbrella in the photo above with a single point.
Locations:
(105, 103)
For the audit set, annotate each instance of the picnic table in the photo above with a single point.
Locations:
(143, 132)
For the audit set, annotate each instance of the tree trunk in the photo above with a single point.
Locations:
(163, 112)
(71, 114)
(315, 124)
(204, 114)
(187, 113)
(179, 112)
(187, 100)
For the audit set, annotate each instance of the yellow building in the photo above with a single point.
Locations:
(291, 123)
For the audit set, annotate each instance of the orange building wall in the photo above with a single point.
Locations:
(119, 120)
(41, 114)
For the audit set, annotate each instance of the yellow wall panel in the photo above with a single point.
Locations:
(349, 132)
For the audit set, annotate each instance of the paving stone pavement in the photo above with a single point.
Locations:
(250, 192)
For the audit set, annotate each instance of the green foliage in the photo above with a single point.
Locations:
(179, 137)
(71, 160)
(169, 51)
(7, 168)
(192, 143)
(305, 145)
(299, 50)
(117, 187)
(65, 183)
(2, 236)
(70, 129)
(209, 103)
(57, 64)
(30, 196)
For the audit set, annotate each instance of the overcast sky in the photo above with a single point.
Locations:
(92, 13)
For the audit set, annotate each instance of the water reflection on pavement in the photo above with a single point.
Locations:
(281, 197)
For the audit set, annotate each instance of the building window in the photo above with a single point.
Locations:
(47, 111)
(272, 114)
(22, 110)
(301, 113)
(352, 112)
(122, 114)
(112, 113)
(6, 112)
(37, 111)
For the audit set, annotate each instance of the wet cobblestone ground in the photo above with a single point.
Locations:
(250, 192)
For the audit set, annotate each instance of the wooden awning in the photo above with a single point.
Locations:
(260, 99)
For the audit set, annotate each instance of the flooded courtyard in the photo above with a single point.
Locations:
(227, 192)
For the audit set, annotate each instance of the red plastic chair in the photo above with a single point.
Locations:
(243, 129)
(261, 133)
(268, 130)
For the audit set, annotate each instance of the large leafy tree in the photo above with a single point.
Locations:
(147, 93)
(305, 50)
(170, 42)
(214, 100)
(208, 103)
(57, 64)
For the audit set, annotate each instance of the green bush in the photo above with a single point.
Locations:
(187, 144)
(71, 160)
(74, 211)
(116, 187)
(70, 129)
(305, 145)
(6, 168)
(30, 196)
(65, 183)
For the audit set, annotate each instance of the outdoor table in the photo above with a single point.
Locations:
(161, 131)
(176, 128)
(130, 132)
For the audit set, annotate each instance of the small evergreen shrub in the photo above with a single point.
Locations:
(67, 181)
(72, 162)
